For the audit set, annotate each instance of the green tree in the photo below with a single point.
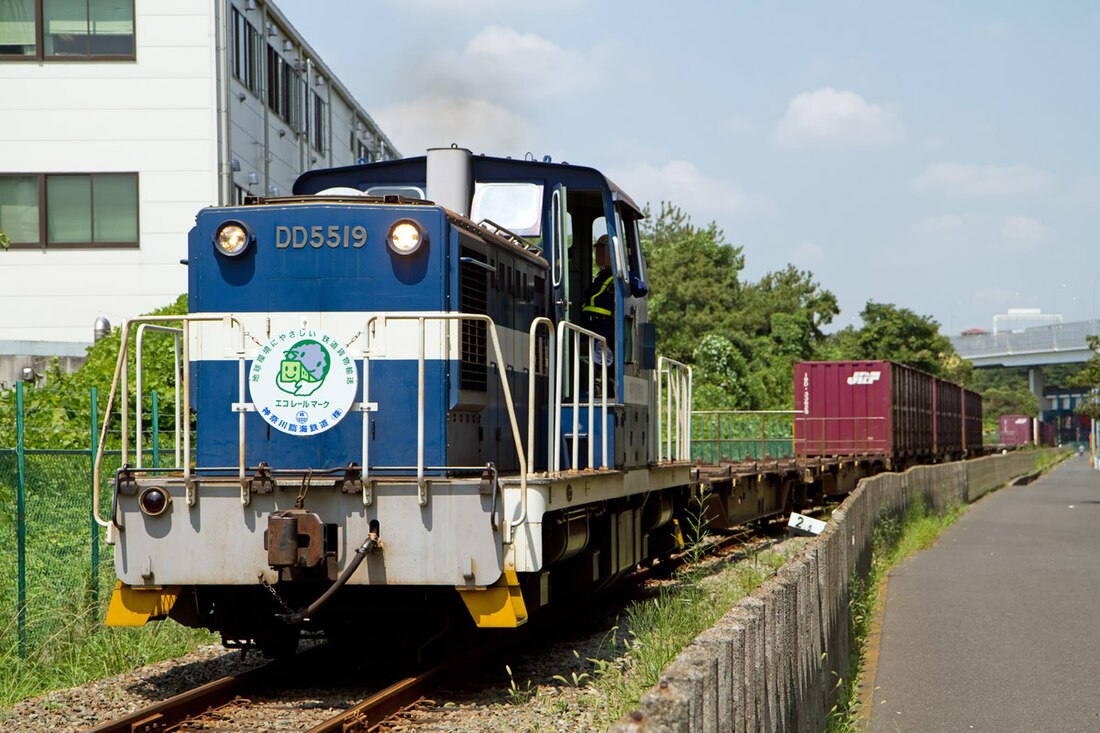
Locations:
(1089, 379)
(803, 306)
(781, 317)
(900, 335)
(721, 379)
(1004, 391)
(694, 275)
(56, 412)
(760, 329)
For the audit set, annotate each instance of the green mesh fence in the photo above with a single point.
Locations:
(65, 566)
(741, 436)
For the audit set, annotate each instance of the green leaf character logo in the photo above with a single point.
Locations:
(303, 368)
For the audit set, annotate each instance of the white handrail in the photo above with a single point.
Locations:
(550, 367)
(577, 332)
(140, 391)
(677, 409)
(422, 318)
(120, 379)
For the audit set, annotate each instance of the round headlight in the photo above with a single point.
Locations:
(405, 237)
(232, 238)
(154, 501)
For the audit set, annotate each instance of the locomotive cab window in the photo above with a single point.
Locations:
(515, 206)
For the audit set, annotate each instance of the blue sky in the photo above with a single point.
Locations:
(941, 156)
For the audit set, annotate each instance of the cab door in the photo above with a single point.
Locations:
(560, 235)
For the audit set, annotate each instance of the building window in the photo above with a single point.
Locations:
(17, 28)
(67, 29)
(363, 153)
(276, 69)
(318, 121)
(285, 91)
(19, 217)
(296, 92)
(70, 209)
(247, 46)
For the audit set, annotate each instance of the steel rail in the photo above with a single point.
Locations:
(177, 709)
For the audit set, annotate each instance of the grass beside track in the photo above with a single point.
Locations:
(650, 634)
(83, 650)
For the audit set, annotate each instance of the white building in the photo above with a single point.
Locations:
(119, 120)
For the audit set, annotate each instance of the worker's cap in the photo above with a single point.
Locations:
(602, 241)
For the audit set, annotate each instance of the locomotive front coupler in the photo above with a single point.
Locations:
(361, 552)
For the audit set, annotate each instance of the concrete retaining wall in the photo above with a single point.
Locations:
(773, 662)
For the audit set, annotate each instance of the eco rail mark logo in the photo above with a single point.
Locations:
(303, 382)
(304, 368)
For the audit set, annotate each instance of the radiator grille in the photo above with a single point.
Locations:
(473, 298)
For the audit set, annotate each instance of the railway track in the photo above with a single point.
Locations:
(328, 701)
(355, 703)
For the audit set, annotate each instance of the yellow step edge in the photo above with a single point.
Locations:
(499, 606)
(132, 606)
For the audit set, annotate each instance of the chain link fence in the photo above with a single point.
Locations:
(56, 565)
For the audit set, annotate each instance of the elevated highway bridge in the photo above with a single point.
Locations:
(1062, 343)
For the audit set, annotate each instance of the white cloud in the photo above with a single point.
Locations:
(477, 96)
(438, 121)
(508, 67)
(960, 179)
(468, 9)
(704, 197)
(1023, 228)
(832, 118)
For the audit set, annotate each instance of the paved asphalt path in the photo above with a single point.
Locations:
(997, 627)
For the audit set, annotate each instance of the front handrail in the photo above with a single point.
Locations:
(676, 399)
(421, 319)
(121, 377)
(177, 333)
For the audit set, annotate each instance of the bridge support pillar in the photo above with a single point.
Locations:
(1035, 383)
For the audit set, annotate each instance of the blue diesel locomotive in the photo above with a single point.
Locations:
(400, 409)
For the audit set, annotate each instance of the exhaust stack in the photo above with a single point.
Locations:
(449, 178)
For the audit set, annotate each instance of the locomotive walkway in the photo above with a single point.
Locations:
(995, 627)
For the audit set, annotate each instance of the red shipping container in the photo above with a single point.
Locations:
(972, 422)
(948, 412)
(1047, 433)
(1015, 429)
(859, 408)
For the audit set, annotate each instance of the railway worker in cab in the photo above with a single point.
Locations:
(598, 310)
